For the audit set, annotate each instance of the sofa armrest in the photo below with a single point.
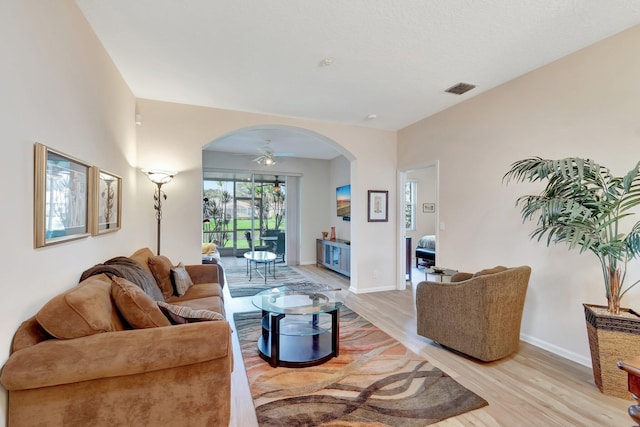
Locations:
(114, 354)
(206, 273)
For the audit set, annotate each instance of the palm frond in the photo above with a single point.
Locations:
(582, 205)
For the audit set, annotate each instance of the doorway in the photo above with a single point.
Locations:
(418, 219)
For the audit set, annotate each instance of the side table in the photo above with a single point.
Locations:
(440, 273)
(632, 368)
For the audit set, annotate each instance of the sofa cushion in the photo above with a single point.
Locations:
(83, 310)
(161, 269)
(197, 291)
(179, 314)
(141, 256)
(496, 269)
(137, 308)
(205, 303)
(181, 279)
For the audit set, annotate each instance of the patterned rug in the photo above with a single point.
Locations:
(375, 381)
(240, 286)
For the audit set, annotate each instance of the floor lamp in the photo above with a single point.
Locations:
(159, 178)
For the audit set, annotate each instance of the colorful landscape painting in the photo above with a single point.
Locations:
(343, 198)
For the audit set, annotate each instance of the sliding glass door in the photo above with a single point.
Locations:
(244, 211)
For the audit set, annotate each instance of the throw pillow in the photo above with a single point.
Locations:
(137, 308)
(179, 314)
(141, 256)
(181, 279)
(208, 248)
(161, 269)
(83, 310)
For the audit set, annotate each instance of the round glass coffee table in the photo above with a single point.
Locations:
(261, 257)
(300, 324)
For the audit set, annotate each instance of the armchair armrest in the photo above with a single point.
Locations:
(113, 354)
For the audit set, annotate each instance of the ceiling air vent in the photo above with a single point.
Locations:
(460, 88)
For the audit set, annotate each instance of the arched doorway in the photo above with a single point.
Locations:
(310, 165)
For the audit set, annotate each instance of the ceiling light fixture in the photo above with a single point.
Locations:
(372, 116)
(266, 159)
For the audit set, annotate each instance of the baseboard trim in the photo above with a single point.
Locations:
(371, 290)
(570, 355)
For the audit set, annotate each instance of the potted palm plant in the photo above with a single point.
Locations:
(586, 207)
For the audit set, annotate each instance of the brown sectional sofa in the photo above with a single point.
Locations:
(104, 353)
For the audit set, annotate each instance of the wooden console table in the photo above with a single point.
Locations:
(334, 254)
(632, 367)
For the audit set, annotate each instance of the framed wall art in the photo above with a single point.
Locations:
(378, 206)
(107, 200)
(62, 197)
(428, 207)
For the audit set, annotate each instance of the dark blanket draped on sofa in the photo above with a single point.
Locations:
(127, 269)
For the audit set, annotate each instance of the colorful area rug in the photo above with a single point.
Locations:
(375, 381)
(239, 285)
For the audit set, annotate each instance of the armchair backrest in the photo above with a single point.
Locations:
(247, 235)
(479, 316)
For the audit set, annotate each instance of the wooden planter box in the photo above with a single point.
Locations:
(611, 338)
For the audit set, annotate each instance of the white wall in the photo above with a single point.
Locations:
(586, 104)
(60, 88)
(173, 135)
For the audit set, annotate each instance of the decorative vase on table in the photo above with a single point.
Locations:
(333, 233)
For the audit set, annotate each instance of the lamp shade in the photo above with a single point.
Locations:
(159, 177)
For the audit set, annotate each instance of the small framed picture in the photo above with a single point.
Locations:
(428, 207)
(378, 206)
(107, 193)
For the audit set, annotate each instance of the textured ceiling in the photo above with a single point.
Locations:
(393, 59)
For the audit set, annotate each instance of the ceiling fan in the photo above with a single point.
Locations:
(266, 155)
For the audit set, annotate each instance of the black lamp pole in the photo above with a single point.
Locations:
(159, 178)
(157, 197)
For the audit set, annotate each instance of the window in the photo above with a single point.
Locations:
(410, 205)
(236, 203)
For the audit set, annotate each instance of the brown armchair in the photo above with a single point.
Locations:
(478, 315)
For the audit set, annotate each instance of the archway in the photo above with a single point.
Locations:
(308, 154)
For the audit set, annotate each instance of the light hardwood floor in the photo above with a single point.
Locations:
(532, 388)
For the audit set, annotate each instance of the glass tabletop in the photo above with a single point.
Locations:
(260, 256)
(308, 298)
